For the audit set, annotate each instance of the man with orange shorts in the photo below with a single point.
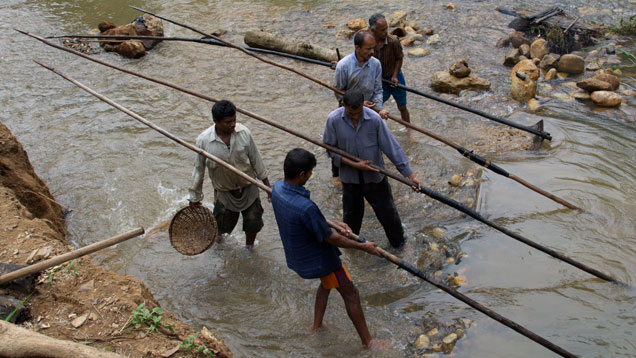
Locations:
(311, 247)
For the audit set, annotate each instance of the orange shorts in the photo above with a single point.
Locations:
(336, 279)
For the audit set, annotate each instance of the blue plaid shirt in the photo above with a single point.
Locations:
(303, 230)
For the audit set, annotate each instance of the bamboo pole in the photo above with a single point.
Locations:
(468, 153)
(385, 254)
(54, 261)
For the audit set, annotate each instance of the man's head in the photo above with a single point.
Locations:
(224, 116)
(378, 26)
(364, 44)
(299, 165)
(352, 101)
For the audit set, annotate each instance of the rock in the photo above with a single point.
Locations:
(412, 24)
(460, 69)
(627, 92)
(131, 49)
(606, 98)
(444, 82)
(216, 345)
(503, 42)
(594, 84)
(40, 254)
(450, 339)
(550, 60)
(422, 342)
(105, 25)
(524, 50)
(609, 78)
(539, 48)
(551, 74)
(398, 31)
(434, 40)
(23, 284)
(88, 286)
(533, 105)
(562, 75)
(409, 30)
(518, 38)
(536, 61)
(432, 332)
(617, 72)
(397, 19)
(438, 232)
(148, 25)
(357, 24)
(407, 41)
(426, 31)
(528, 68)
(417, 52)
(79, 321)
(512, 57)
(572, 64)
(459, 280)
(344, 34)
(451, 6)
(593, 66)
(455, 180)
(582, 95)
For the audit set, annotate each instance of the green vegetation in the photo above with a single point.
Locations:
(189, 343)
(625, 26)
(143, 316)
(15, 310)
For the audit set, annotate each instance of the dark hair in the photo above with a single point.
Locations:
(223, 109)
(373, 20)
(298, 160)
(353, 98)
(358, 38)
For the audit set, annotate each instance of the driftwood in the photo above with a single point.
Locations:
(565, 33)
(18, 342)
(269, 41)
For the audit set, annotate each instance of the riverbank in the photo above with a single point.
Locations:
(76, 301)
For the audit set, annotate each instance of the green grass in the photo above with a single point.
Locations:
(626, 26)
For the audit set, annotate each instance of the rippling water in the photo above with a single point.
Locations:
(116, 174)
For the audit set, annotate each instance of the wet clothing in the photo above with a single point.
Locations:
(303, 230)
(371, 138)
(226, 219)
(367, 78)
(336, 279)
(242, 154)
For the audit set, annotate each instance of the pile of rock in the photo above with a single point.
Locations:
(145, 25)
(601, 87)
(408, 32)
(458, 78)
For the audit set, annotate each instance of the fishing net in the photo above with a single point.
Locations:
(192, 230)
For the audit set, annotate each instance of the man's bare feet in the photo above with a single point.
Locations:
(379, 345)
(316, 330)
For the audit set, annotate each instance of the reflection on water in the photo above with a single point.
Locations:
(116, 174)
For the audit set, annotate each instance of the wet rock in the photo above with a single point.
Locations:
(397, 19)
(407, 41)
(550, 60)
(409, 30)
(562, 75)
(527, 68)
(592, 66)
(148, 25)
(533, 105)
(551, 74)
(445, 82)
(105, 25)
(524, 50)
(571, 64)
(606, 98)
(417, 52)
(427, 31)
(357, 24)
(460, 69)
(594, 84)
(617, 72)
(522, 90)
(518, 38)
(604, 75)
(451, 6)
(512, 57)
(455, 180)
(438, 232)
(581, 95)
(450, 339)
(432, 332)
(503, 42)
(398, 31)
(539, 48)
(434, 40)
(412, 24)
(344, 34)
(422, 342)
(131, 49)
(627, 92)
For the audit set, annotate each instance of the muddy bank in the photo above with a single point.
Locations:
(77, 301)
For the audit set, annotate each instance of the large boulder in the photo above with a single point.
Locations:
(523, 77)
(606, 76)
(594, 84)
(549, 61)
(397, 19)
(606, 98)
(148, 25)
(539, 48)
(145, 25)
(528, 68)
(571, 64)
(512, 57)
(518, 38)
(131, 49)
(357, 24)
(445, 82)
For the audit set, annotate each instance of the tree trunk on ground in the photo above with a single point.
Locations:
(266, 40)
(18, 342)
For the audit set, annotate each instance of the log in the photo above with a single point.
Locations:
(269, 41)
(18, 342)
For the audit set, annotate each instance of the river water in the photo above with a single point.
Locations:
(115, 174)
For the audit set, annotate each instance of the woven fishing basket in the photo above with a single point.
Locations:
(192, 230)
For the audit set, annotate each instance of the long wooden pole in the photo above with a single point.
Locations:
(426, 191)
(54, 261)
(468, 153)
(388, 256)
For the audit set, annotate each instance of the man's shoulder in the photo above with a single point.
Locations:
(371, 114)
(391, 39)
(336, 113)
(207, 134)
(345, 62)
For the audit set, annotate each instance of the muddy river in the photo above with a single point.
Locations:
(115, 174)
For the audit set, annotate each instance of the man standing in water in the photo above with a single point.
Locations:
(233, 143)
(311, 247)
(389, 51)
(361, 132)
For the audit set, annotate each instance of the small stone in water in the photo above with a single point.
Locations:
(450, 338)
(438, 233)
(455, 179)
(422, 342)
(432, 332)
(450, 260)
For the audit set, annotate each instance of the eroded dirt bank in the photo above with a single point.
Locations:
(76, 301)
